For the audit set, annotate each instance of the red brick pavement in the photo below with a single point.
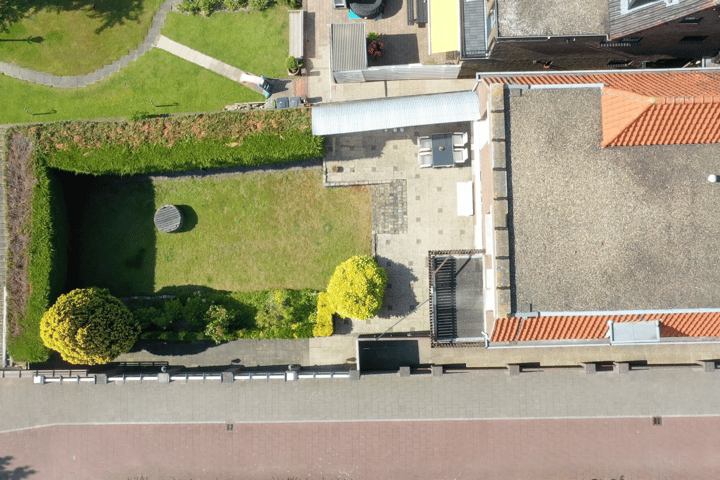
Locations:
(682, 448)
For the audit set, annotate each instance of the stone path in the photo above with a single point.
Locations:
(84, 80)
(580, 449)
(389, 207)
(205, 61)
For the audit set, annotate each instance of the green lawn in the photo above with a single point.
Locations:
(242, 233)
(157, 76)
(75, 37)
(256, 42)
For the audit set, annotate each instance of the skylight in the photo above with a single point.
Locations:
(630, 6)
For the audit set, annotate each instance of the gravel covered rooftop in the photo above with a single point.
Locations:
(530, 18)
(607, 228)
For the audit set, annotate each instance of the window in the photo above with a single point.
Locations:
(625, 42)
(639, 3)
(619, 63)
(690, 21)
(693, 39)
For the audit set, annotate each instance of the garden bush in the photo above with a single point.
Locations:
(218, 324)
(89, 326)
(260, 5)
(323, 317)
(357, 288)
(268, 314)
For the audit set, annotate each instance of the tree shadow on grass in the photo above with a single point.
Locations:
(110, 12)
(112, 233)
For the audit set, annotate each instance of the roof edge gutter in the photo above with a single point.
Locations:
(480, 75)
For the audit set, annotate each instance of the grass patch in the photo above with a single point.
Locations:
(244, 233)
(69, 37)
(176, 84)
(256, 42)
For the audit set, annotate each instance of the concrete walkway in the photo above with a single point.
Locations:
(221, 68)
(34, 76)
(486, 395)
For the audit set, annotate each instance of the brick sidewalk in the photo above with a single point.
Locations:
(682, 448)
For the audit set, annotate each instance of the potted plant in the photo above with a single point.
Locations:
(293, 65)
(375, 46)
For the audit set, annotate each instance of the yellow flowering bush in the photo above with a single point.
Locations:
(324, 317)
(89, 326)
(357, 287)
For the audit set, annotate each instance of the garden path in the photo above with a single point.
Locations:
(205, 61)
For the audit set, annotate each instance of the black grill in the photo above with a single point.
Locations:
(445, 312)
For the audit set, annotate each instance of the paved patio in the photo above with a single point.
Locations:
(404, 44)
(432, 222)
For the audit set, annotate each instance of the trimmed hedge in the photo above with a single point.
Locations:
(47, 267)
(224, 139)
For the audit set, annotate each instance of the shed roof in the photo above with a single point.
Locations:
(396, 112)
(347, 49)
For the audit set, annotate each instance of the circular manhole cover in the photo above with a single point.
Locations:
(168, 218)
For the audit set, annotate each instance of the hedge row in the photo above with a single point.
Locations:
(47, 265)
(179, 143)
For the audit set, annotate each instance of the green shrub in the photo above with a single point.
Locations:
(278, 310)
(193, 313)
(372, 36)
(260, 5)
(189, 6)
(218, 324)
(357, 287)
(209, 6)
(235, 4)
(89, 326)
(146, 317)
(323, 319)
(291, 63)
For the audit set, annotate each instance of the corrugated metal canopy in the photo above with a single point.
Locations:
(347, 50)
(396, 112)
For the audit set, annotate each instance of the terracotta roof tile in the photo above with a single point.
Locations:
(655, 108)
(585, 327)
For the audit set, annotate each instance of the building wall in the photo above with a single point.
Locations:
(659, 46)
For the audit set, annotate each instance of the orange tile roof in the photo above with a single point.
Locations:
(655, 108)
(582, 327)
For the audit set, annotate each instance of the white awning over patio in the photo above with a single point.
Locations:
(396, 112)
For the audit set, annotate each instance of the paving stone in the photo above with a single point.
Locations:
(389, 207)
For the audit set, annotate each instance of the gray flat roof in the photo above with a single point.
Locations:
(347, 50)
(395, 112)
(531, 18)
(607, 229)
